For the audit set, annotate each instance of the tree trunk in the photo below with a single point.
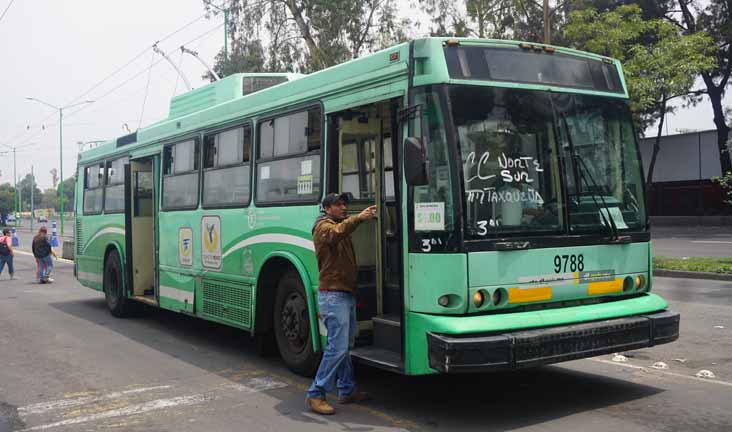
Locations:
(305, 33)
(656, 149)
(715, 96)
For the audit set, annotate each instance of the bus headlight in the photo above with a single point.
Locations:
(478, 298)
(640, 282)
(443, 301)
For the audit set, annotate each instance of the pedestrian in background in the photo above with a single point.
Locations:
(43, 252)
(6, 253)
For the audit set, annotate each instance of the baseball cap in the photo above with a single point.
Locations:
(333, 198)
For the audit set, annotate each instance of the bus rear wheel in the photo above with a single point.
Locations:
(114, 294)
(292, 326)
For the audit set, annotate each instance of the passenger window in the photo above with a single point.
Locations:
(226, 167)
(180, 175)
(114, 194)
(288, 163)
(93, 188)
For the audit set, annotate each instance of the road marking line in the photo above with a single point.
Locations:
(135, 409)
(256, 385)
(711, 241)
(41, 407)
(693, 378)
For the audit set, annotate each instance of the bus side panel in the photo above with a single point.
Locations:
(95, 233)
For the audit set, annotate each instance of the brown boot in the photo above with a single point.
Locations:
(320, 406)
(357, 396)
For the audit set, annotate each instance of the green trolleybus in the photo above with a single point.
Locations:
(511, 231)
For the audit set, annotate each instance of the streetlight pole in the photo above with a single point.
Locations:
(61, 148)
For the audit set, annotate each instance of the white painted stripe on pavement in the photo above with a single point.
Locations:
(711, 241)
(42, 407)
(272, 238)
(258, 384)
(22, 252)
(130, 410)
(91, 277)
(176, 294)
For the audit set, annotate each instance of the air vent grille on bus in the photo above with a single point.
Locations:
(78, 236)
(228, 302)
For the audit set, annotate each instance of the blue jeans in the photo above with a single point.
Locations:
(45, 265)
(7, 259)
(338, 314)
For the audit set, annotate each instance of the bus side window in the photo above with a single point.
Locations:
(180, 175)
(93, 188)
(288, 162)
(226, 167)
(114, 192)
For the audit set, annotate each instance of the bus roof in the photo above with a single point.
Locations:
(223, 101)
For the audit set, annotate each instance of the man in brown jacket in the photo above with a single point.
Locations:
(336, 301)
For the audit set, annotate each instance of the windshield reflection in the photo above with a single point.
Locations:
(518, 165)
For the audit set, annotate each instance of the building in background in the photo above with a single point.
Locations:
(682, 177)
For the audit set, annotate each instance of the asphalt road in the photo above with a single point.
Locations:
(692, 241)
(67, 365)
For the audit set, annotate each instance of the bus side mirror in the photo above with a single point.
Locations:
(415, 162)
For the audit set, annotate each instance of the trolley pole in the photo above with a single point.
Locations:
(16, 196)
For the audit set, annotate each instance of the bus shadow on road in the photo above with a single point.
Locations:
(494, 401)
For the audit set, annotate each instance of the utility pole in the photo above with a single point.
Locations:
(547, 32)
(60, 147)
(33, 209)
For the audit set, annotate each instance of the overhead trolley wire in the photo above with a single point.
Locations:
(6, 10)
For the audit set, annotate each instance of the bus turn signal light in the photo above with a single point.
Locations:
(478, 299)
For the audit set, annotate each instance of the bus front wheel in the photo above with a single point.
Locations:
(114, 294)
(292, 326)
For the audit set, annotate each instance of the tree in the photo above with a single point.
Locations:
(713, 17)
(660, 63)
(24, 187)
(7, 195)
(54, 176)
(69, 193)
(49, 198)
(305, 35)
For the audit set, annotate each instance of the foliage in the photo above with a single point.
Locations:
(695, 264)
(726, 182)
(69, 192)
(660, 63)
(24, 188)
(713, 17)
(498, 19)
(306, 35)
(7, 194)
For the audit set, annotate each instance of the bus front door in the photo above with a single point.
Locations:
(362, 164)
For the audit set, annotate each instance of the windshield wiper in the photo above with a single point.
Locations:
(581, 169)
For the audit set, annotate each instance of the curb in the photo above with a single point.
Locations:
(691, 275)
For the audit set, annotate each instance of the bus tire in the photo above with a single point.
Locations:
(292, 326)
(117, 302)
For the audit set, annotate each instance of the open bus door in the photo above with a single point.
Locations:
(140, 228)
(362, 156)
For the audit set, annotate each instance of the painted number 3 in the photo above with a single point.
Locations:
(573, 263)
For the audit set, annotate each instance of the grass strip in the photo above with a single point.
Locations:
(721, 265)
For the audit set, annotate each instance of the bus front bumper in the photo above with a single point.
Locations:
(529, 348)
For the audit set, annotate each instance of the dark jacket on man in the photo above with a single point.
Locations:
(334, 250)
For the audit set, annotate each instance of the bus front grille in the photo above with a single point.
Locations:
(229, 302)
(77, 234)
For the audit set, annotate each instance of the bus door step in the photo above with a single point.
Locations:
(388, 333)
(379, 357)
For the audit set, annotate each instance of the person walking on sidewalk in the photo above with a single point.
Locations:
(6, 253)
(336, 300)
(43, 252)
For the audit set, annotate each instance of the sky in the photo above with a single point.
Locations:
(64, 52)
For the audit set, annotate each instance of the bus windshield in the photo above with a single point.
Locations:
(538, 163)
